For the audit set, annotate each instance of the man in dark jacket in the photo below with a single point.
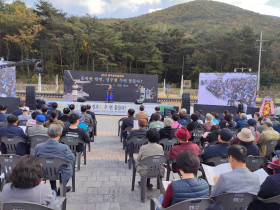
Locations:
(167, 131)
(54, 108)
(128, 122)
(19, 110)
(157, 111)
(90, 112)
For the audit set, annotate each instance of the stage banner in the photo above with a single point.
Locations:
(226, 88)
(7, 81)
(126, 87)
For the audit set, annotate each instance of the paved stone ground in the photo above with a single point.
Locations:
(104, 183)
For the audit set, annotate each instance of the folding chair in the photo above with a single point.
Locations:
(3, 123)
(34, 140)
(50, 167)
(119, 126)
(197, 134)
(214, 161)
(60, 205)
(254, 163)
(270, 145)
(154, 165)
(167, 144)
(22, 122)
(124, 140)
(192, 204)
(135, 143)
(11, 143)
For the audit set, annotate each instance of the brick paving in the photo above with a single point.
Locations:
(104, 183)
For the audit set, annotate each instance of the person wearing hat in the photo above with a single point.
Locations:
(167, 131)
(183, 136)
(274, 121)
(38, 129)
(246, 139)
(221, 148)
(207, 125)
(267, 135)
(25, 114)
(252, 125)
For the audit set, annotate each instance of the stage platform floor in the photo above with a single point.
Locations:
(115, 108)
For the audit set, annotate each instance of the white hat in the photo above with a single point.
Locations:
(245, 135)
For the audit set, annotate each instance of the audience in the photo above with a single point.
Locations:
(52, 148)
(167, 131)
(157, 111)
(38, 129)
(65, 117)
(3, 112)
(150, 149)
(175, 118)
(25, 114)
(267, 135)
(53, 119)
(194, 124)
(27, 184)
(201, 117)
(260, 126)
(82, 122)
(229, 118)
(32, 122)
(274, 121)
(156, 123)
(252, 125)
(212, 137)
(39, 108)
(188, 187)
(242, 122)
(221, 148)
(208, 123)
(90, 112)
(240, 179)
(182, 120)
(216, 118)
(19, 110)
(142, 114)
(72, 109)
(183, 136)
(128, 122)
(187, 116)
(142, 124)
(54, 108)
(45, 109)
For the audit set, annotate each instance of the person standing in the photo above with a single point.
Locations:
(75, 91)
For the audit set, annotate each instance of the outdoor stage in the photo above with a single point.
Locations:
(115, 108)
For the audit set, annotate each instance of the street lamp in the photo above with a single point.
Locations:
(242, 69)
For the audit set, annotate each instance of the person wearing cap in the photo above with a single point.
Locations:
(38, 129)
(167, 131)
(183, 136)
(53, 119)
(267, 135)
(246, 139)
(221, 148)
(82, 123)
(242, 122)
(240, 179)
(209, 122)
(274, 121)
(25, 114)
(252, 125)
(32, 122)
(74, 131)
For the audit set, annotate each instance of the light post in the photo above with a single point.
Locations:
(242, 69)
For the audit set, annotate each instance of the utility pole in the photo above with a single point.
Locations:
(182, 80)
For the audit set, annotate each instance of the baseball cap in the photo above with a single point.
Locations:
(40, 118)
(252, 122)
(25, 108)
(225, 134)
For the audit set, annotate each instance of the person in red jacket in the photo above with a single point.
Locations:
(183, 135)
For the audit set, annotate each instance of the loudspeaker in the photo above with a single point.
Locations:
(186, 102)
(30, 97)
(11, 103)
(81, 99)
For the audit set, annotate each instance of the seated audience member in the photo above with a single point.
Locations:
(216, 118)
(38, 129)
(175, 118)
(53, 119)
(238, 115)
(188, 187)
(3, 112)
(150, 149)
(167, 131)
(221, 148)
(246, 139)
(88, 119)
(19, 110)
(13, 130)
(224, 114)
(201, 117)
(229, 118)
(157, 111)
(182, 120)
(242, 122)
(277, 162)
(212, 137)
(32, 122)
(90, 112)
(252, 125)
(260, 126)
(142, 114)
(52, 148)
(268, 134)
(194, 124)
(187, 116)
(65, 117)
(74, 131)
(142, 123)
(54, 108)
(26, 183)
(45, 109)
(82, 122)
(25, 114)
(240, 179)
(128, 122)
(39, 108)
(156, 123)
(256, 116)
(274, 121)
(183, 136)
(72, 109)
(208, 122)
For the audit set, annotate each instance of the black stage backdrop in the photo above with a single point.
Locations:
(126, 87)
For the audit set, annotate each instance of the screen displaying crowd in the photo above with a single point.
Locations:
(227, 88)
(8, 82)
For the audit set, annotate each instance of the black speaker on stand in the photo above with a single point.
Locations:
(30, 97)
(186, 102)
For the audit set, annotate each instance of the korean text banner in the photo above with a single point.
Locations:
(126, 87)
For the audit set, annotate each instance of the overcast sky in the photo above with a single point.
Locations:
(132, 8)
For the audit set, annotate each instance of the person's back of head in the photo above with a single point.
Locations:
(226, 112)
(88, 107)
(38, 106)
(228, 117)
(225, 135)
(73, 119)
(55, 131)
(260, 119)
(157, 108)
(243, 116)
(27, 173)
(172, 112)
(184, 110)
(216, 115)
(188, 162)
(72, 107)
(168, 122)
(223, 124)
(45, 109)
(3, 108)
(194, 117)
(66, 111)
(156, 117)
(209, 117)
(182, 115)
(131, 112)
(83, 108)
(238, 153)
(12, 119)
(200, 112)
(54, 105)
(53, 116)
(21, 105)
(175, 117)
(141, 108)
(142, 123)
(152, 135)
(214, 128)
(267, 123)
(35, 114)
